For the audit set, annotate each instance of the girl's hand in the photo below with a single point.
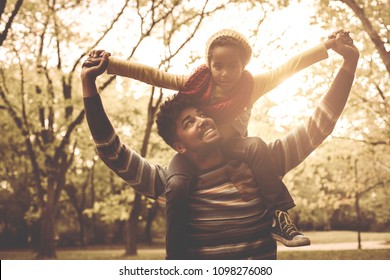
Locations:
(94, 66)
(340, 38)
(345, 47)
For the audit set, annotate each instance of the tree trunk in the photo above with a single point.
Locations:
(46, 246)
(357, 208)
(149, 221)
(55, 183)
(93, 199)
(131, 229)
(4, 236)
(80, 218)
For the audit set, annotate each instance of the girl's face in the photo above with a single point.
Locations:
(226, 66)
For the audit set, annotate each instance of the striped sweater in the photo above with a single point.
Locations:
(227, 218)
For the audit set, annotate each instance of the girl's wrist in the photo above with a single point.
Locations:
(330, 43)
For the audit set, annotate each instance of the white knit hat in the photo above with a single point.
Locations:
(236, 36)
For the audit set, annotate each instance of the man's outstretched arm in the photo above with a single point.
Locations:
(290, 150)
(145, 178)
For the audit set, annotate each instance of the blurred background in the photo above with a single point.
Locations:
(56, 195)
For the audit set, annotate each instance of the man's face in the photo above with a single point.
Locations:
(195, 132)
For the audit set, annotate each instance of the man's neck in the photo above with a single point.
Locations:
(207, 159)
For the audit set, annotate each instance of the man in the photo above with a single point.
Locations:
(226, 214)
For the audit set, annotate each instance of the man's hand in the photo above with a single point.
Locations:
(346, 48)
(95, 65)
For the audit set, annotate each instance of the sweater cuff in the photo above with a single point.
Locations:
(114, 63)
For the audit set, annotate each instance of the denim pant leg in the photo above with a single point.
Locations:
(254, 151)
(180, 174)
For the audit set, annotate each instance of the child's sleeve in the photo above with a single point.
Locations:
(146, 74)
(265, 82)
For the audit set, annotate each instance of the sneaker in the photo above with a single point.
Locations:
(285, 231)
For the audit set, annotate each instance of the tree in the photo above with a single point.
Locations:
(42, 106)
(15, 198)
(78, 195)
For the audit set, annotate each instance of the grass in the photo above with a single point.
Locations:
(88, 254)
(377, 254)
(158, 253)
(118, 254)
(327, 237)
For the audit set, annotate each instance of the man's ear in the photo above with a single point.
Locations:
(179, 148)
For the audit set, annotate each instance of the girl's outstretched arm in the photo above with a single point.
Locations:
(146, 74)
(267, 81)
(141, 72)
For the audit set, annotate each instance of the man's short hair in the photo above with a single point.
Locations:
(169, 113)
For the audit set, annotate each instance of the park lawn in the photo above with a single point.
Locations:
(157, 252)
(325, 237)
(376, 254)
(115, 254)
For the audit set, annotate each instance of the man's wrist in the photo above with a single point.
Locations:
(89, 85)
(87, 77)
(350, 65)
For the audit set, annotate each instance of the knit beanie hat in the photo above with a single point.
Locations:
(247, 50)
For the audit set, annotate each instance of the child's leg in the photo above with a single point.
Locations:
(274, 192)
(254, 151)
(180, 174)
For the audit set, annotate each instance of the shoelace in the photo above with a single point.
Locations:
(286, 224)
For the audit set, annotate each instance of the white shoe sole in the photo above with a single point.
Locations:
(302, 241)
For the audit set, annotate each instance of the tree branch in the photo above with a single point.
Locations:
(2, 7)
(25, 134)
(372, 33)
(65, 140)
(373, 143)
(144, 34)
(370, 188)
(3, 35)
(201, 15)
(100, 39)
